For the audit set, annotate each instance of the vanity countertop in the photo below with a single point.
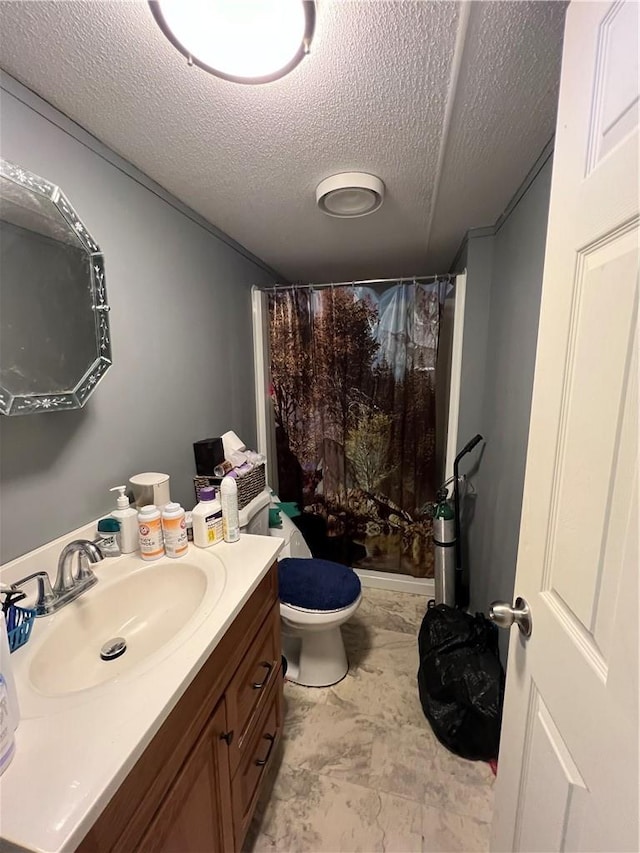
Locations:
(71, 758)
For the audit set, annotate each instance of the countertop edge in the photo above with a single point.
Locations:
(178, 670)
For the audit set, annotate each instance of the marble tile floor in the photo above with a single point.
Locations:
(359, 768)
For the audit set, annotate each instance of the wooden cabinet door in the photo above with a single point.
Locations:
(195, 816)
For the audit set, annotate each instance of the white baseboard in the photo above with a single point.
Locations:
(397, 583)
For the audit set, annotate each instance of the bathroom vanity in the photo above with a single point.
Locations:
(196, 785)
(171, 754)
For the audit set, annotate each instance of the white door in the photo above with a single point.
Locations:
(568, 765)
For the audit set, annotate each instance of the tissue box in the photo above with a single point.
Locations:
(209, 452)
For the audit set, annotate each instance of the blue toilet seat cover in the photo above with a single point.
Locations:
(316, 584)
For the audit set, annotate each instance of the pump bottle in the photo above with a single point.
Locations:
(128, 518)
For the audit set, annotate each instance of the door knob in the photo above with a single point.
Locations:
(504, 615)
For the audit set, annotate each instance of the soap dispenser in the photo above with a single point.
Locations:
(128, 518)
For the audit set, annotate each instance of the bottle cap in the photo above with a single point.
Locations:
(207, 493)
(229, 486)
(108, 525)
(149, 509)
(123, 500)
(172, 509)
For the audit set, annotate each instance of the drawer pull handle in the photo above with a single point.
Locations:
(258, 685)
(260, 762)
(228, 736)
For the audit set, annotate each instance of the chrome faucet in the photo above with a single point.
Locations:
(69, 584)
(66, 580)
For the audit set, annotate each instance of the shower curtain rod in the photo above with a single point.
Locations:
(397, 280)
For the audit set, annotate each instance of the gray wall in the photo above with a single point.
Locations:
(479, 261)
(180, 300)
(443, 382)
(504, 283)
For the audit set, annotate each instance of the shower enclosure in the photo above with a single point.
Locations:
(354, 388)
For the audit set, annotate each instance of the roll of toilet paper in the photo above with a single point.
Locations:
(231, 444)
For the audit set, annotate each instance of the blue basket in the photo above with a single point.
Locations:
(19, 624)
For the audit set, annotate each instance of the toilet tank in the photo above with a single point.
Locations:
(254, 518)
(294, 543)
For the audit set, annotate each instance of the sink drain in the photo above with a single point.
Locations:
(113, 649)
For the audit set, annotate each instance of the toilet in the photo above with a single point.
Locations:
(316, 598)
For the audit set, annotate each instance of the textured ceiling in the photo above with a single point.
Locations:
(449, 104)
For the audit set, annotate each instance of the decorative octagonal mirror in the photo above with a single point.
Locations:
(55, 343)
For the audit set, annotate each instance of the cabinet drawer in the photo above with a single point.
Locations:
(247, 693)
(257, 759)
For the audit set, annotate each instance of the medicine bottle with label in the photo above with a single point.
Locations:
(207, 519)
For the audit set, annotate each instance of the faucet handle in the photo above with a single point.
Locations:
(44, 595)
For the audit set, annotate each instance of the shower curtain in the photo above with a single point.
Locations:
(353, 393)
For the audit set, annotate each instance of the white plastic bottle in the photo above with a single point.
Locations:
(108, 536)
(207, 519)
(128, 518)
(229, 501)
(9, 709)
(150, 533)
(174, 530)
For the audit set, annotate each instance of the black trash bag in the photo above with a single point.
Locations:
(461, 681)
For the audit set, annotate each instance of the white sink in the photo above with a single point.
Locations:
(74, 750)
(154, 607)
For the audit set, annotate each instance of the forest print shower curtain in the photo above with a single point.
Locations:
(353, 393)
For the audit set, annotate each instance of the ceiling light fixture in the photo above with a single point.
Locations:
(350, 194)
(246, 41)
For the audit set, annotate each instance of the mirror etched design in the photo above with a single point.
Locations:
(55, 342)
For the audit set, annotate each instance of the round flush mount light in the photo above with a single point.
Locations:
(246, 41)
(350, 194)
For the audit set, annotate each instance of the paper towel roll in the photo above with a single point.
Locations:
(231, 442)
